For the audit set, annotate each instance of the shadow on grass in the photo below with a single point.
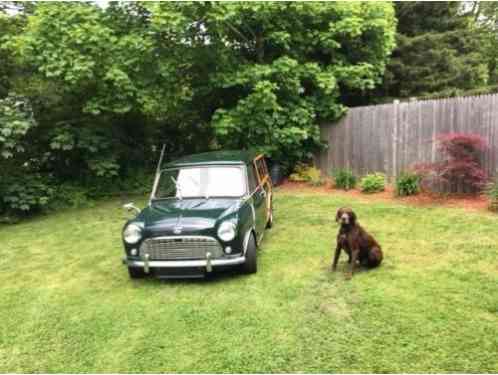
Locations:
(215, 277)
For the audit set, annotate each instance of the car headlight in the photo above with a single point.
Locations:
(226, 231)
(132, 233)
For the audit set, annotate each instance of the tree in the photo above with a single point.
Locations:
(108, 85)
(439, 52)
(485, 17)
(284, 66)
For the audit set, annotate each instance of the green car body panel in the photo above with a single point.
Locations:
(179, 218)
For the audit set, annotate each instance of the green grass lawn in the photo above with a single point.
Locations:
(67, 304)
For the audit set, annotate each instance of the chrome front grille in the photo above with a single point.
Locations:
(180, 248)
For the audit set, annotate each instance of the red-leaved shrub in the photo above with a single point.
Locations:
(459, 168)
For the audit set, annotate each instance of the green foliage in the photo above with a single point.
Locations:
(407, 183)
(87, 146)
(344, 179)
(27, 194)
(103, 167)
(76, 45)
(308, 174)
(70, 195)
(440, 52)
(16, 119)
(373, 183)
(492, 192)
(138, 182)
(109, 85)
(287, 75)
(485, 16)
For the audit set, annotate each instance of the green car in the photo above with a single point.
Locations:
(206, 211)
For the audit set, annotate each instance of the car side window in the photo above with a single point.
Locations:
(251, 175)
(261, 168)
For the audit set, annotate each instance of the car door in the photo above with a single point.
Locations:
(258, 198)
(262, 196)
(267, 185)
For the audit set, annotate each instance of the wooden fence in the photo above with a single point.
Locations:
(390, 138)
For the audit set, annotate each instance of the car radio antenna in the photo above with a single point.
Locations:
(158, 173)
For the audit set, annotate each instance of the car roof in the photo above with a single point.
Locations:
(215, 158)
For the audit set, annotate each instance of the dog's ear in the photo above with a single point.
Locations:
(353, 218)
(338, 215)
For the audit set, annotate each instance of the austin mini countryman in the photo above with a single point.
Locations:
(206, 212)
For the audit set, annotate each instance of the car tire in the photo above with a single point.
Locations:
(136, 273)
(251, 265)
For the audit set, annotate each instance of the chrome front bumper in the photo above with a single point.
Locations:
(208, 263)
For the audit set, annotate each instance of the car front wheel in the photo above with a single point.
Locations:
(251, 264)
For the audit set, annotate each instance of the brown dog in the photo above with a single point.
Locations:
(356, 242)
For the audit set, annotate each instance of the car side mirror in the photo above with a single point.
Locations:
(131, 207)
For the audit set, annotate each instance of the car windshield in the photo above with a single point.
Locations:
(205, 182)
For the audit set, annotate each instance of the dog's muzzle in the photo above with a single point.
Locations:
(345, 219)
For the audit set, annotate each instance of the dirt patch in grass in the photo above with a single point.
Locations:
(423, 199)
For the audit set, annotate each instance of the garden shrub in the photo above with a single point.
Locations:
(138, 182)
(344, 179)
(373, 182)
(306, 173)
(460, 168)
(28, 194)
(407, 183)
(492, 192)
(68, 195)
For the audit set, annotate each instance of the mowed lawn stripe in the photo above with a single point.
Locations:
(69, 306)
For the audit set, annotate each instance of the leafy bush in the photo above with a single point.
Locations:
(104, 167)
(314, 176)
(74, 196)
(460, 167)
(373, 182)
(16, 120)
(138, 182)
(344, 179)
(492, 192)
(407, 183)
(26, 194)
(306, 173)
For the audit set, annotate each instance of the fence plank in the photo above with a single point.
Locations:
(391, 138)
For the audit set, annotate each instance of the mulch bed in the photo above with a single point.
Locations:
(424, 199)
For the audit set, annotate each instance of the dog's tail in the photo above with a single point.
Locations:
(375, 257)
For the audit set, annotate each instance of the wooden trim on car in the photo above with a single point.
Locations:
(257, 172)
(265, 180)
